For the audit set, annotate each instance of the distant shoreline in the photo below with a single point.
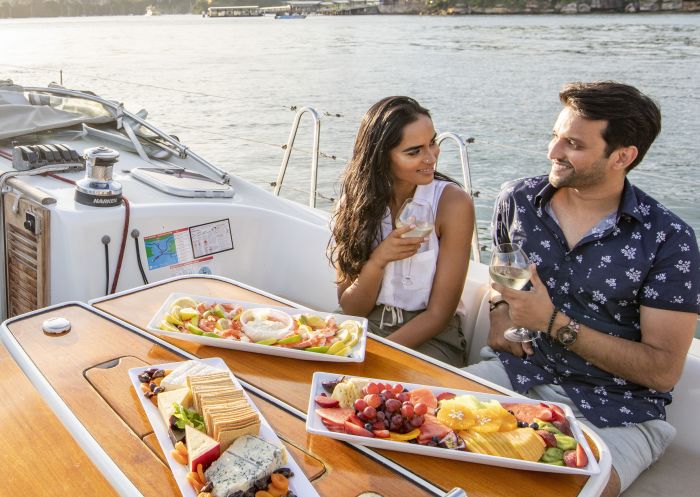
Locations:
(428, 14)
(14, 9)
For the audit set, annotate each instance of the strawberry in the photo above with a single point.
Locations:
(445, 396)
(381, 433)
(355, 420)
(570, 458)
(353, 429)
(581, 457)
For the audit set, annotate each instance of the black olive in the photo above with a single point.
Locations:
(159, 373)
(144, 378)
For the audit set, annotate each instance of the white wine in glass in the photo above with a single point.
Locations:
(510, 267)
(420, 214)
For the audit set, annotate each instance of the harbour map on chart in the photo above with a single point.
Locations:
(167, 249)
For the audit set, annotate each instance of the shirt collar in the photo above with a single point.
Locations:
(628, 204)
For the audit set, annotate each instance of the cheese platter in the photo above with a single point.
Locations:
(214, 438)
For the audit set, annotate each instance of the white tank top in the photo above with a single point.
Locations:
(395, 291)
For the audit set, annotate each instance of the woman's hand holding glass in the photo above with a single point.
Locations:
(419, 215)
(395, 247)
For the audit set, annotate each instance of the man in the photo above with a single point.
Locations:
(615, 280)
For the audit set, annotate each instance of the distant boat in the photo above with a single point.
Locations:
(290, 15)
(152, 10)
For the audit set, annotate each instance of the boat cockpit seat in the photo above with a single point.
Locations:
(471, 310)
(677, 472)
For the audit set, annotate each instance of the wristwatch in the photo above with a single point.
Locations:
(567, 334)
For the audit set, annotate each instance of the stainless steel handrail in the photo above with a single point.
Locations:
(119, 112)
(314, 153)
(466, 177)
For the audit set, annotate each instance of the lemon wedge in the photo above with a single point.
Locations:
(188, 313)
(165, 326)
(184, 302)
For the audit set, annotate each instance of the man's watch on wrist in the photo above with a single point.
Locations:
(567, 334)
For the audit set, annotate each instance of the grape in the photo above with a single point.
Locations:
(373, 400)
(398, 388)
(407, 410)
(381, 416)
(388, 394)
(368, 426)
(370, 412)
(360, 405)
(372, 388)
(420, 409)
(416, 421)
(403, 397)
(392, 405)
(362, 416)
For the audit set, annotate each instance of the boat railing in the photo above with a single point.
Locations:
(314, 153)
(117, 109)
(466, 178)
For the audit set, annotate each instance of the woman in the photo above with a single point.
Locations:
(394, 158)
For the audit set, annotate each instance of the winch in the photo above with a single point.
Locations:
(97, 187)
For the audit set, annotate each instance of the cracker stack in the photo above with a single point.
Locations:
(226, 412)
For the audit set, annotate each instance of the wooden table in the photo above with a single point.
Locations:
(87, 368)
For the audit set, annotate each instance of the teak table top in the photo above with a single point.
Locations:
(88, 366)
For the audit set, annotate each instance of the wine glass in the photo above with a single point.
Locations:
(420, 214)
(510, 267)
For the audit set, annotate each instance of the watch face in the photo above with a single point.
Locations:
(567, 335)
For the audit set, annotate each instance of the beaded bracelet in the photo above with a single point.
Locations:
(551, 321)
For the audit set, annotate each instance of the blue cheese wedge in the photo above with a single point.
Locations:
(263, 454)
(248, 459)
(178, 377)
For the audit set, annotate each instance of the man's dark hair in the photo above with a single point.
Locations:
(633, 118)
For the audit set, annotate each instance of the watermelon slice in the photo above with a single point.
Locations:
(528, 412)
(426, 397)
(430, 428)
(335, 415)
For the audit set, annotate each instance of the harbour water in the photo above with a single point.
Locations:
(226, 86)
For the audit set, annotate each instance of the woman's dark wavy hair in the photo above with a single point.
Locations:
(367, 183)
(633, 117)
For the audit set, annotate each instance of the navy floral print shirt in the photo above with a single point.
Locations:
(644, 256)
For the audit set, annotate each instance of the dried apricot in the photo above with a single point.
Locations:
(280, 482)
(193, 478)
(178, 456)
(181, 448)
(200, 472)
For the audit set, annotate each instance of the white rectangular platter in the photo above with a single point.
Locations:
(357, 355)
(298, 483)
(315, 426)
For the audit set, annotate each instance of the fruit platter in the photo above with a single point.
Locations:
(281, 331)
(467, 426)
(215, 440)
